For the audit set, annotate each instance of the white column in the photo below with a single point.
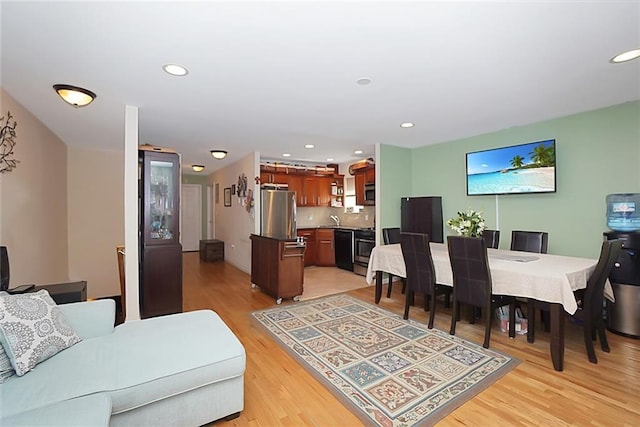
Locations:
(131, 212)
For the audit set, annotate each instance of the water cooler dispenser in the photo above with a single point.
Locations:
(623, 218)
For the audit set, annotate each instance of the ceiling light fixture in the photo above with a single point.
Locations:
(218, 154)
(626, 56)
(286, 155)
(73, 95)
(363, 81)
(309, 146)
(197, 168)
(358, 152)
(175, 70)
(330, 159)
(407, 125)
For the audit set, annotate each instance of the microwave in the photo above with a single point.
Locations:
(370, 194)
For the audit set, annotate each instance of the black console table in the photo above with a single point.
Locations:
(64, 293)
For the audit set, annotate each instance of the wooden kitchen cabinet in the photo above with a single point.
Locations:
(370, 175)
(309, 235)
(277, 266)
(359, 184)
(325, 256)
(362, 177)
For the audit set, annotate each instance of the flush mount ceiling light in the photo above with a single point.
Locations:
(309, 146)
(626, 56)
(175, 70)
(73, 95)
(218, 154)
(286, 155)
(358, 152)
(363, 81)
(197, 168)
(407, 125)
(330, 159)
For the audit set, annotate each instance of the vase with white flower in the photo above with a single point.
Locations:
(467, 223)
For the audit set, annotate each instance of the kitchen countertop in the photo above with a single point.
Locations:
(335, 227)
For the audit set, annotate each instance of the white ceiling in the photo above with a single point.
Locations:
(272, 76)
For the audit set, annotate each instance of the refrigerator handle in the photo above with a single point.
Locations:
(295, 211)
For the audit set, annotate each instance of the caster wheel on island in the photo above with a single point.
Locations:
(296, 298)
(279, 301)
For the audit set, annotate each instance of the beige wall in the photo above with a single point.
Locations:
(234, 224)
(96, 218)
(33, 202)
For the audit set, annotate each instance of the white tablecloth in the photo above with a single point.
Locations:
(545, 277)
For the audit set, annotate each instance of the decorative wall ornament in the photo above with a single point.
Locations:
(7, 143)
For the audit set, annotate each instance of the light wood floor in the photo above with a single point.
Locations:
(280, 392)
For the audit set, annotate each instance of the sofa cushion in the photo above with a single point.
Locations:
(140, 362)
(93, 410)
(32, 329)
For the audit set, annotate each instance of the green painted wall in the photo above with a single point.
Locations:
(202, 180)
(597, 153)
(394, 167)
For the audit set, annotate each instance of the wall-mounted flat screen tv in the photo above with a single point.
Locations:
(517, 169)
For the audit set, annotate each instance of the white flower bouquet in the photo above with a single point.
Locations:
(469, 223)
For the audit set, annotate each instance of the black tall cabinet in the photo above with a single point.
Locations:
(160, 249)
(422, 215)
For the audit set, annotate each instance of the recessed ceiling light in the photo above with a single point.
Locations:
(330, 159)
(309, 146)
(358, 152)
(286, 155)
(175, 70)
(626, 56)
(407, 125)
(363, 81)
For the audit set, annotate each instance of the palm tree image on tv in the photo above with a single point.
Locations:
(526, 168)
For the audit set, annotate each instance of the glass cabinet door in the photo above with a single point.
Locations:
(160, 198)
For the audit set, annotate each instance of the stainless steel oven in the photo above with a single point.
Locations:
(363, 242)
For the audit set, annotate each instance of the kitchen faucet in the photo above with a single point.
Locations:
(336, 219)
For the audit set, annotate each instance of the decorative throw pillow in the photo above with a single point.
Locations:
(32, 329)
(6, 370)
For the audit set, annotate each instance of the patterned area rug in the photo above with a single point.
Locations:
(390, 371)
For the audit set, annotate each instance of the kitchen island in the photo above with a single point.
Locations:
(277, 266)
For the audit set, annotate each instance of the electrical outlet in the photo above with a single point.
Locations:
(366, 217)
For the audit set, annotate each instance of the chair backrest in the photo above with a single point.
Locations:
(491, 238)
(418, 261)
(470, 267)
(391, 235)
(529, 241)
(594, 293)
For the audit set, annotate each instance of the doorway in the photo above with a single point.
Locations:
(191, 217)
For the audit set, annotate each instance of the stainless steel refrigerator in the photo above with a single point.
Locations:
(278, 217)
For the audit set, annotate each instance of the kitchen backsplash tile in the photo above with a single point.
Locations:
(313, 217)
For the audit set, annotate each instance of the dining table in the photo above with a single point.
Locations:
(544, 277)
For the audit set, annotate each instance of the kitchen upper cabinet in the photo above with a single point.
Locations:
(362, 177)
(325, 255)
(359, 179)
(370, 176)
(309, 235)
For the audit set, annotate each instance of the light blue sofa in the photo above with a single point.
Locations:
(184, 369)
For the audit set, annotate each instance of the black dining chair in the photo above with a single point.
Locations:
(529, 241)
(472, 283)
(421, 274)
(491, 238)
(590, 301)
(389, 236)
(535, 242)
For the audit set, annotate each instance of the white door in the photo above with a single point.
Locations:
(191, 217)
